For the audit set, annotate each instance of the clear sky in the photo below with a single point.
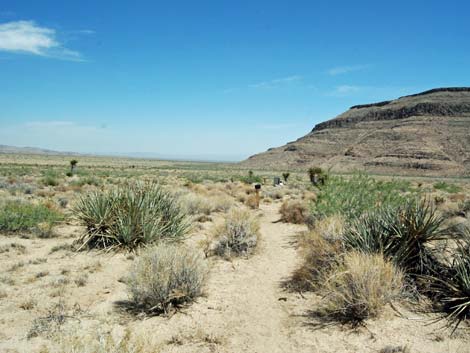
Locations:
(213, 79)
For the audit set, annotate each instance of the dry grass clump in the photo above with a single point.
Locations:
(251, 201)
(360, 288)
(321, 249)
(222, 203)
(105, 342)
(293, 211)
(319, 257)
(236, 236)
(165, 276)
(130, 215)
(331, 228)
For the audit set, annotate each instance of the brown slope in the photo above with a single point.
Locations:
(422, 134)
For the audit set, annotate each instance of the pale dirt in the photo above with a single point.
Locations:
(245, 308)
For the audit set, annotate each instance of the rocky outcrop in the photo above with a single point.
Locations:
(420, 109)
(422, 134)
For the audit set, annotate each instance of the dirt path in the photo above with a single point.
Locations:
(245, 308)
(263, 316)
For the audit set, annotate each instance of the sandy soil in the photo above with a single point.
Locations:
(245, 308)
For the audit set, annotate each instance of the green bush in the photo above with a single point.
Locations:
(87, 180)
(130, 215)
(449, 188)
(17, 216)
(50, 178)
(357, 195)
(251, 178)
(165, 276)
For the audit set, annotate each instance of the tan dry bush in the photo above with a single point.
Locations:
(221, 203)
(331, 228)
(319, 257)
(194, 204)
(309, 196)
(251, 201)
(360, 288)
(165, 276)
(293, 211)
(198, 188)
(236, 236)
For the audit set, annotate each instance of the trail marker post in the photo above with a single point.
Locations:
(257, 189)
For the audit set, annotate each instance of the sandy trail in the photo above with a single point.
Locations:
(245, 305)
(262, 309)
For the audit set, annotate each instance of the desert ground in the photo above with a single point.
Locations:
(57, 298)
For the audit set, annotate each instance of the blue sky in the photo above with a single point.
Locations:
(213, 79)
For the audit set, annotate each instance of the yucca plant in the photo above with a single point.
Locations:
(450, 288)
(453, 291)
(403, 234)
(129, 215)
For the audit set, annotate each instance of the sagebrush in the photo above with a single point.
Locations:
(165, 276)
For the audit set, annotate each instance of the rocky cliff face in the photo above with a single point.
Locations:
(423, 134)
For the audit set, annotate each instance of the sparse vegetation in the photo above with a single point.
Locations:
(357, 195)
(449, 188)
(105, 342)
(165, 276)
(17, 216)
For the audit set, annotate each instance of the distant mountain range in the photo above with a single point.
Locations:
(4, 149)
(33, 150)
(422, 134)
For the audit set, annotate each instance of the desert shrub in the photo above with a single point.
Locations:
(251, 178)
(251, 201)
(293, 211)
(320, 174)
(319, 256)
(17, 216)
(403, 234)
(356, 195)
(50, 178)
(165, 276)
(331, 228)
(449, 188)
(194, 204)
(237, 235)
(86, 180)
(222, 203)
(360, 288)
(464, 207)
(130, 215)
